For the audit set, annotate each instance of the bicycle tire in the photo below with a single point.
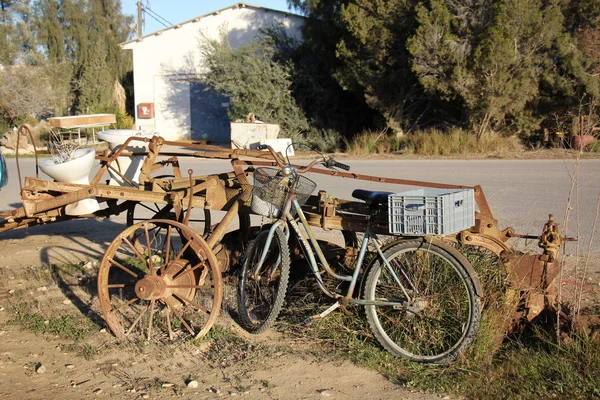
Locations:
(260, 304)
(443, 316)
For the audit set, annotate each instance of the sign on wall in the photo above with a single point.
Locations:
(145, 110)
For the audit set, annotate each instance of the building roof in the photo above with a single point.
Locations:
(198, 18)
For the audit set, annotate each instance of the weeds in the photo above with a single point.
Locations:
(370, 143)
(457, 141)
(534, 364)
(225, 347)
(433, 142)
(66, 326)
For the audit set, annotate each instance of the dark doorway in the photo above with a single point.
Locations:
(209, 120)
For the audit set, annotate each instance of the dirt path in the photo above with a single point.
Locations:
(34, 281)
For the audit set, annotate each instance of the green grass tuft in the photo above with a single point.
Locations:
(66, 326)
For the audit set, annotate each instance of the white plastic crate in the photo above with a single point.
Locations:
(430, 211)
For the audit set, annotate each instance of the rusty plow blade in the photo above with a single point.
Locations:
(531, 276)
(532, 280)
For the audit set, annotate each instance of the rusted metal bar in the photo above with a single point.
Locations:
(24, 130)
(33, 207)
(370, 178)
(221, 228)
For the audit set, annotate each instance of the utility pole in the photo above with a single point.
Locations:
(139, 19)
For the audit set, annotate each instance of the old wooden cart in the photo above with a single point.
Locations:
(162, 276)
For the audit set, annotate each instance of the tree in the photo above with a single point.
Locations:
(254, 82)
(363, 43)
(26, 90)
(85, 34)
(325, 103)
(487, 64)
(17, 40)
(486, 55)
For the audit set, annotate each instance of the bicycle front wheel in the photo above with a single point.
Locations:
(436, 309)
(261, 292)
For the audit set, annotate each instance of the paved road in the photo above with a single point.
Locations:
(521, 193)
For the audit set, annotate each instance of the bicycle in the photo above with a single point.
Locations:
(421, 296)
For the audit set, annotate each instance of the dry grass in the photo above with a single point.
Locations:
(433, 142)
(371, 142)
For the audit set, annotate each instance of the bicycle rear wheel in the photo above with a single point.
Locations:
(441, 313)
(261, 294)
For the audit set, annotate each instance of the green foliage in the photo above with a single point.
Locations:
(33, 322)
(280, 80)
(506, 65)
(487, 58)
(362, 44)
(28, 90)
(70, 327)
(255, 83)
(65, 55)
(124, 121)
(327, 141)
(66, 326)
(373, 57)
(86, 35)
(327, 106)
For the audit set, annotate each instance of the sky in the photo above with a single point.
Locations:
(176, 11)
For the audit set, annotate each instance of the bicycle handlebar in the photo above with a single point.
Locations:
(331, 163)
(327, 161)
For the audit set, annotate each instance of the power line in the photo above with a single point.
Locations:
(156, 17)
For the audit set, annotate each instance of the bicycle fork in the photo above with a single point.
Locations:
(266, 249)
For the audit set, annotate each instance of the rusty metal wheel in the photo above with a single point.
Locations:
(166, 285)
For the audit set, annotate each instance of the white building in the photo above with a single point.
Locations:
(167, 99)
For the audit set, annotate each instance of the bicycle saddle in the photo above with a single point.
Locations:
(371, 197)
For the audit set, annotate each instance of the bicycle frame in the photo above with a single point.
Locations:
(311, 247)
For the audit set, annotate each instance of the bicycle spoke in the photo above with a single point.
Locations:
(441, 316)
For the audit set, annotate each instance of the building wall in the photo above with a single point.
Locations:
(165, 62)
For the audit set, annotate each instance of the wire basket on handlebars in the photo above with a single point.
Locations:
(271, 191)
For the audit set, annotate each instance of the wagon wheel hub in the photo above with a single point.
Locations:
(151, 287)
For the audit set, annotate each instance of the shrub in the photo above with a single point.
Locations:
(124, 120)
(255, 83)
